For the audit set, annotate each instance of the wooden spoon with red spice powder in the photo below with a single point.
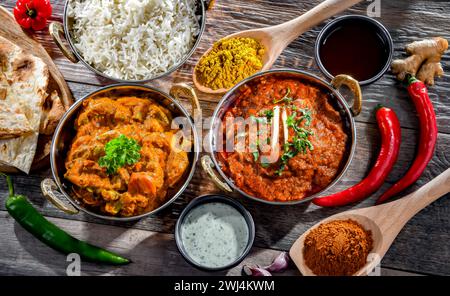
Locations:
(338, 247)
(354, 242)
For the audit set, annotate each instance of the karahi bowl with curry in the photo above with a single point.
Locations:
(283, 136)
(123, 152)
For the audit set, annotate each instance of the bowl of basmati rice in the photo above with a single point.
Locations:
(131, 40)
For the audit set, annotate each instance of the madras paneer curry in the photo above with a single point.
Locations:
(123, 159)
(301, 151)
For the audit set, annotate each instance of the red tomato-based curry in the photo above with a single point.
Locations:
(304, 132)
(138, 186)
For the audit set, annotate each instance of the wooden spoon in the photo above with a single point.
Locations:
(384, 221)
(276, 38)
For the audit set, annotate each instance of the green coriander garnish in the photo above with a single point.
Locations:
(291, 120)
(306, 116)
(255, 156)
(300, 142)
(268, 114)
(119, 152)
(265, 165)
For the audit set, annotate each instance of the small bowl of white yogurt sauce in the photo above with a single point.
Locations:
(214, 232)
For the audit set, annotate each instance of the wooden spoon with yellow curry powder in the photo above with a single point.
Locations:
(273, 41)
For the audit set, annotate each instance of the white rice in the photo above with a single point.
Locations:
(133, 39)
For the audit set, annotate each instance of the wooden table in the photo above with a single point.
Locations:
(421, 248)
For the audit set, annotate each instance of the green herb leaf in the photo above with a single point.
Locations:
(265, 165)
(268, 114)
(255, 156)
(286, 98)
(119, 152)
(291, 120)
(279, 172)
(306, 116)
(300, 142)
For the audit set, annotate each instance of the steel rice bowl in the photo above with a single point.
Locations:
(65, 132)
(228, 100)
(200, 13)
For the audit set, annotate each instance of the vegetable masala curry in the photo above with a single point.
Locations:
(304, 132)
(122, 160)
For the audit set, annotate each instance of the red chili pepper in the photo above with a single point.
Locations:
(428, 135)
(390, 145)
(32, 13)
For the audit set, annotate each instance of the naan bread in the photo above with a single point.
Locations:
(27, 79)
(12, 124)
(53, 111)
(3, 84)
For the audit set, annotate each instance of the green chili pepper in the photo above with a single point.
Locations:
(29, 218)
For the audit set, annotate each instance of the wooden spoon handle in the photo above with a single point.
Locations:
(427, 194)
(289, 31)
(392, 216)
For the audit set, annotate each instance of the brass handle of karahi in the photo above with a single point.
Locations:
(55, 30)
(184, 91)
(49, 190)
(353, 85)
(208, 165)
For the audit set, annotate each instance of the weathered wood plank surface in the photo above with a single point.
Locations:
(406, 21)
(421, 247)
(152, 253)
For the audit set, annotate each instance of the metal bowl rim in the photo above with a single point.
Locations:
(380, 26)
(70, 112)
(221, 198)
(119, 80)
(291, 71)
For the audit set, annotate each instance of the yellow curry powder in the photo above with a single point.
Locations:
(230, 61)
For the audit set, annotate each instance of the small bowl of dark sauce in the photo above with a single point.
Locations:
(355, 45)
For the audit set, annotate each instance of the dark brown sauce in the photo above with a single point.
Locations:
(356, 49)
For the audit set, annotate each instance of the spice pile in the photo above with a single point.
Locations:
(229, 62)
(337, 248)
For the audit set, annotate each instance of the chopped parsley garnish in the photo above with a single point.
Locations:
(306, 116)
(265, 165)
(268, 114)
(255, 156)
(279, 172)
(291, 120)
(119, 152)
(294, 123)
(300, 142)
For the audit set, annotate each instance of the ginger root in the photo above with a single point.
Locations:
(424, 60)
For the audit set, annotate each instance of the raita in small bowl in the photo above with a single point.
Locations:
(214, 233)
